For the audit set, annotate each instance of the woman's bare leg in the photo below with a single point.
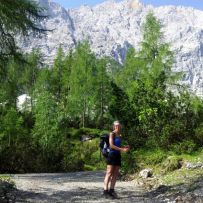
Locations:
(108, 176)
(114, 176)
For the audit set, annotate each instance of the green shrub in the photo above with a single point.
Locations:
(141, 158)
(129, 164)
(199, 134)
(89, 131)
(88, 149)
(171, 132)
(77, 133)
(150, 157)
(73, 162)
(83, 156)
(5, 178)
(171, 163)
(89, 167)
(186, 146)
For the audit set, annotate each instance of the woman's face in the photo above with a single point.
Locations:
(117, 127)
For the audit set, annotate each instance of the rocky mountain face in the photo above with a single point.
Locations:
(112, 27)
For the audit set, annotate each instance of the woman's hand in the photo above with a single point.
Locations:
(126, 148)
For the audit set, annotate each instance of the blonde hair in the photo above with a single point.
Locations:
(116, 123)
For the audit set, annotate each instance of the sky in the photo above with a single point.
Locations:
(77, 3)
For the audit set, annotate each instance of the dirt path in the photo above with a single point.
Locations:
(73, 187)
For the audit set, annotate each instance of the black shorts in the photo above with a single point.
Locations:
(114, 159)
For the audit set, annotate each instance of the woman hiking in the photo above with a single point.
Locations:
(113, 161)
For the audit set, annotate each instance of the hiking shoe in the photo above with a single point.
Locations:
(107, 195)
(113, 194)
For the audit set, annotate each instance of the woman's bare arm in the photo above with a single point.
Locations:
(124, 149)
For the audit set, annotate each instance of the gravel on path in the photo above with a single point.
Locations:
(73, 187)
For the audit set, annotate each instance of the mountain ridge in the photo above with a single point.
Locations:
(111, 27)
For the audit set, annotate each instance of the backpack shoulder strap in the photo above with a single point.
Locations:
(113, 134)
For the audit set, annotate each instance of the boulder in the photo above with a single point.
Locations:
(86, 138)
(190, 165)
(146, 173)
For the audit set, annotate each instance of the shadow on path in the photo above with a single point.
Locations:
(79, 196)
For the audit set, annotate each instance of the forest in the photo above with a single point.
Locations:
(82, 94)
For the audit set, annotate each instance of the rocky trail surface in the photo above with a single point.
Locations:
(73, 187)
(87, 187)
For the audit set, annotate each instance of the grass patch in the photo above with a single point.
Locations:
(146, 158)
(167, 166)
(194, 157)
(6, 178)
(172, 163)
(182, 176)
(161, 159)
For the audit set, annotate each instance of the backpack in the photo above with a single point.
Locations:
(104, 145)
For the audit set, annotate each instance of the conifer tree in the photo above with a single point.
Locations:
(82, 91)
(56, 74)
(17, 17)
(30, 73)
(103, 92)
